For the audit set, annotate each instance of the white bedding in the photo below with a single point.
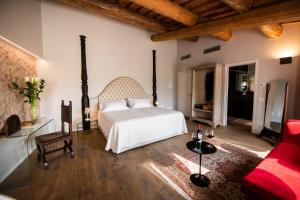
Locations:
(127, 129)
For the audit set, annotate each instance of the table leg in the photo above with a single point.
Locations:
(200, 163)
(199, 179)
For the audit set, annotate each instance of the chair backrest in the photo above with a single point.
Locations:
(66, 116)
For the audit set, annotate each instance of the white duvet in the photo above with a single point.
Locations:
(132, 128)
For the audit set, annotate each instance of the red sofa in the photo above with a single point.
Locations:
(278, 175)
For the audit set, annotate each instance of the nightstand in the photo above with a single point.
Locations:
(93, 124)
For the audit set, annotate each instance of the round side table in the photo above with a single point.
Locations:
(200, 148)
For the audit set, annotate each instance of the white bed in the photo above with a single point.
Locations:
(128, 129)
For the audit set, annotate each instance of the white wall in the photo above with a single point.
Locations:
(20, 22)
(113, 49)
(249, 45)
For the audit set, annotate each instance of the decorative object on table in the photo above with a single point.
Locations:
(225, 169)
(12, 125)
(31, 91)
(201, 148)
(85, 101)
(275, 109)
(209, 132)
(46, 142)
(197, 135)
(87, 113)
(26, 123)
(155, 103)
(244, 86)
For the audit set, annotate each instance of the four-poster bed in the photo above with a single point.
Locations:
(143, 123)
(127, 128)
(123, 127)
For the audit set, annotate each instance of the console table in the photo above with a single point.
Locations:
(15, 151)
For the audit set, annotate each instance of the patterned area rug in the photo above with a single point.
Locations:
(225, 169)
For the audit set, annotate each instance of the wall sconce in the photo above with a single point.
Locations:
(286, 60)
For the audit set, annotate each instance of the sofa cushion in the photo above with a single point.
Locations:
(278, 175)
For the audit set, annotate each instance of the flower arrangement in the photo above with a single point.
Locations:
(31, 91)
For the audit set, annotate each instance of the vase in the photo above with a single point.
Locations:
(34, 114)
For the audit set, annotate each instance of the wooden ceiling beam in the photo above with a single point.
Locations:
(169, 9)
(215, 11)
(276, 13)
(224, 14)
(273, 31)
(239, 5)
(193, 3)
(192, 39)
(115, 11)
(207, 6)
(222, 35)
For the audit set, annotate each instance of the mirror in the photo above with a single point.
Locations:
(275, 108)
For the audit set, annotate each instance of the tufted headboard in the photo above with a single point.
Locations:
(119, 88)
(122, 88)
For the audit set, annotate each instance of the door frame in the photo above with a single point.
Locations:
(225, 91)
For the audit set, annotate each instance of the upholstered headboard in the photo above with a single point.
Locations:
(119, 88)
(122, 88)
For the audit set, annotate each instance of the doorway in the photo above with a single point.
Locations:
(239, 94)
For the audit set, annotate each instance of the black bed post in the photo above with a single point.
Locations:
(85, 102)
(154, 78)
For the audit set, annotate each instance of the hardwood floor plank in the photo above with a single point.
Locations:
(97, 174)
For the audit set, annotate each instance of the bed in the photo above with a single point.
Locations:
(134, 127)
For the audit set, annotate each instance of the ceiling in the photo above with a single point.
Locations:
(205, 9)
(188, 19)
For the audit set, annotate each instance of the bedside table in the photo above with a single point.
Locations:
(93, 124)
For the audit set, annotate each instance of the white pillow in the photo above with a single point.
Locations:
(113, 105)
(139, 103)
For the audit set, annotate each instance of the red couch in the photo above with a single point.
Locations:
(278, 175)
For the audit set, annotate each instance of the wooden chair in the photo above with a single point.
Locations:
(50, 143)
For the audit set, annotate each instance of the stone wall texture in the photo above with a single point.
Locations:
(15, 64)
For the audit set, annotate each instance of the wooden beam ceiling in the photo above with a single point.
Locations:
(174, 11)
(274, 14)
(170, 17)
(116, 12)
(273, 31)
(169, 9)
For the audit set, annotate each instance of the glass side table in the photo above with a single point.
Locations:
(15, 151)
(93, 124)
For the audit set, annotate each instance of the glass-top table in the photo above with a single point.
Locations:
(32, 129)
(15, 151)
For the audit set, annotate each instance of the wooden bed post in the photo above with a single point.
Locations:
(154, 78)
(85, 102)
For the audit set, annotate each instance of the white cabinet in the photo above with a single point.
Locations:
(207, 94)
(185, 93)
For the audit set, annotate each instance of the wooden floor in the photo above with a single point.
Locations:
(97, 174)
